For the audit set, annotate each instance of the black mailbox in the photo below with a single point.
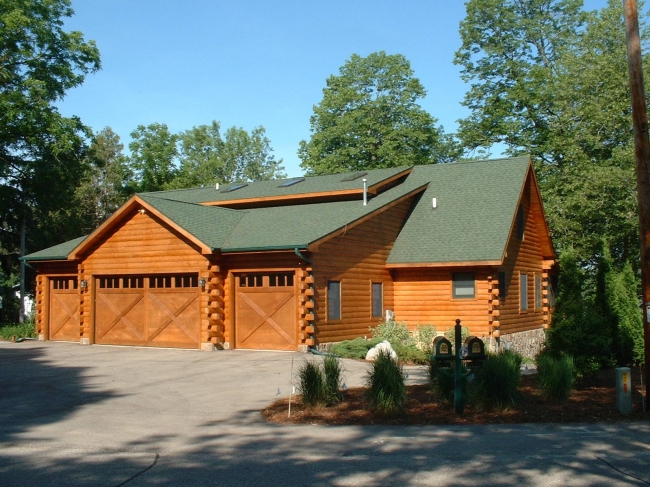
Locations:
(442, 348)
(442, 352)
(475, 348)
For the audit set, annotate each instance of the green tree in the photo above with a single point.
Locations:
(551, 80)
(369, 118)
(153, 156)
(206, 157)
(105, 185)
(41, 152)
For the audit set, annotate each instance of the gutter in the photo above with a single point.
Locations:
(302, 257)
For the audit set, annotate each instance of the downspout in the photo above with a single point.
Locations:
(302, 257)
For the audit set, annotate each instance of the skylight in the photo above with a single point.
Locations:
(291, 182)
(233, 188)
(353, 176)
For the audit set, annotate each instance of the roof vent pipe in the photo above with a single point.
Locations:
(365, 191)
(216, 186)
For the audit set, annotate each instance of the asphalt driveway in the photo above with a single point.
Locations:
(109, 416)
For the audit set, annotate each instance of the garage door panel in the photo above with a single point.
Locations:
(266, 314)
(161, 315)
(64, 315)
(121, 317)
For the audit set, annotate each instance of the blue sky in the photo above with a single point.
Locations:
(253, 62)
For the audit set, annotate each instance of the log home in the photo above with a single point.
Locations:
(297, 263)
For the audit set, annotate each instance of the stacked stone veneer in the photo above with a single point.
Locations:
(527, 343)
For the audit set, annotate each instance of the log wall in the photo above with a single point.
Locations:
(425, 296)
(524, 256)
(141, 245)
(356, 258)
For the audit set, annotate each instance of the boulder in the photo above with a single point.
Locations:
(383, 346)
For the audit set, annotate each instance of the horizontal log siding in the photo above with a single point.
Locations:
(250, 262)
(522, 257)
(357, 258)
(144, 245)
(424, 296)
(141, 245)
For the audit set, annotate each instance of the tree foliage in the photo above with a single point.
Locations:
(551, 80)
(207, 158)
(369, 118)
(42, 153)
(153, 156)
(105, 185)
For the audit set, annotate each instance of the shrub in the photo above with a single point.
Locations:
(410, 353)
(451, 334)
(333, 378)
(424, 336)
(496, 382)
(556, 376)
(311, 384)
(394, 332)
(442, 381)
(26, 330)
(357, 348)
(386, 388)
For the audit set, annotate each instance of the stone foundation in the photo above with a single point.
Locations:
(526, 343)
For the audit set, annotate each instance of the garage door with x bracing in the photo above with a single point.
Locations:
(266, 311)
(157, 311)
(64, 309)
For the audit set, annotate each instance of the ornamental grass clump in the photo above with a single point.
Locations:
(386, 388)
(333, 371)
(311, 385)
(556, 376)
(497, 381)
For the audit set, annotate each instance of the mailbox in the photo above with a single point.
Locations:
(475, 349)
(442, 352)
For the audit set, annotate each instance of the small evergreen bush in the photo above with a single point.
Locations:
(424, 336)
(386, 388)
(25, 330)
(451, 334)
(410, 353)
(357, 348)
(496, 382)
(333, 371)
(556, 376)
(311, 385)
(394, 332)
(442, 381)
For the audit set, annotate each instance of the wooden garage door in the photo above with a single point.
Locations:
(266, 311)
(64, 309)
(156, 311)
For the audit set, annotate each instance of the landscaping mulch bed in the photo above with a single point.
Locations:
(594, 400)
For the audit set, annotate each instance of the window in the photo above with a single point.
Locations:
(521, 224)
(233, 188)
(377, 299)
(333, 300)
(538, 292)
(291, 182)
(523, 292)
(463, 285)
(250, 280)
(353, 176)
(64, 283)
(281, 279)
(502, 285)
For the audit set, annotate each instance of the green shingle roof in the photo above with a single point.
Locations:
(476, 204)
(262, 189)
(57, 252)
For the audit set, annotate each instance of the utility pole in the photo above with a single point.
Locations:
(642, 152)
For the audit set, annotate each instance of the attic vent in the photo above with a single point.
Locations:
(291, 182)
(233, 188)
(353, 176)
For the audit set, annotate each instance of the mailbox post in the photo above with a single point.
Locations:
(473, 354)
